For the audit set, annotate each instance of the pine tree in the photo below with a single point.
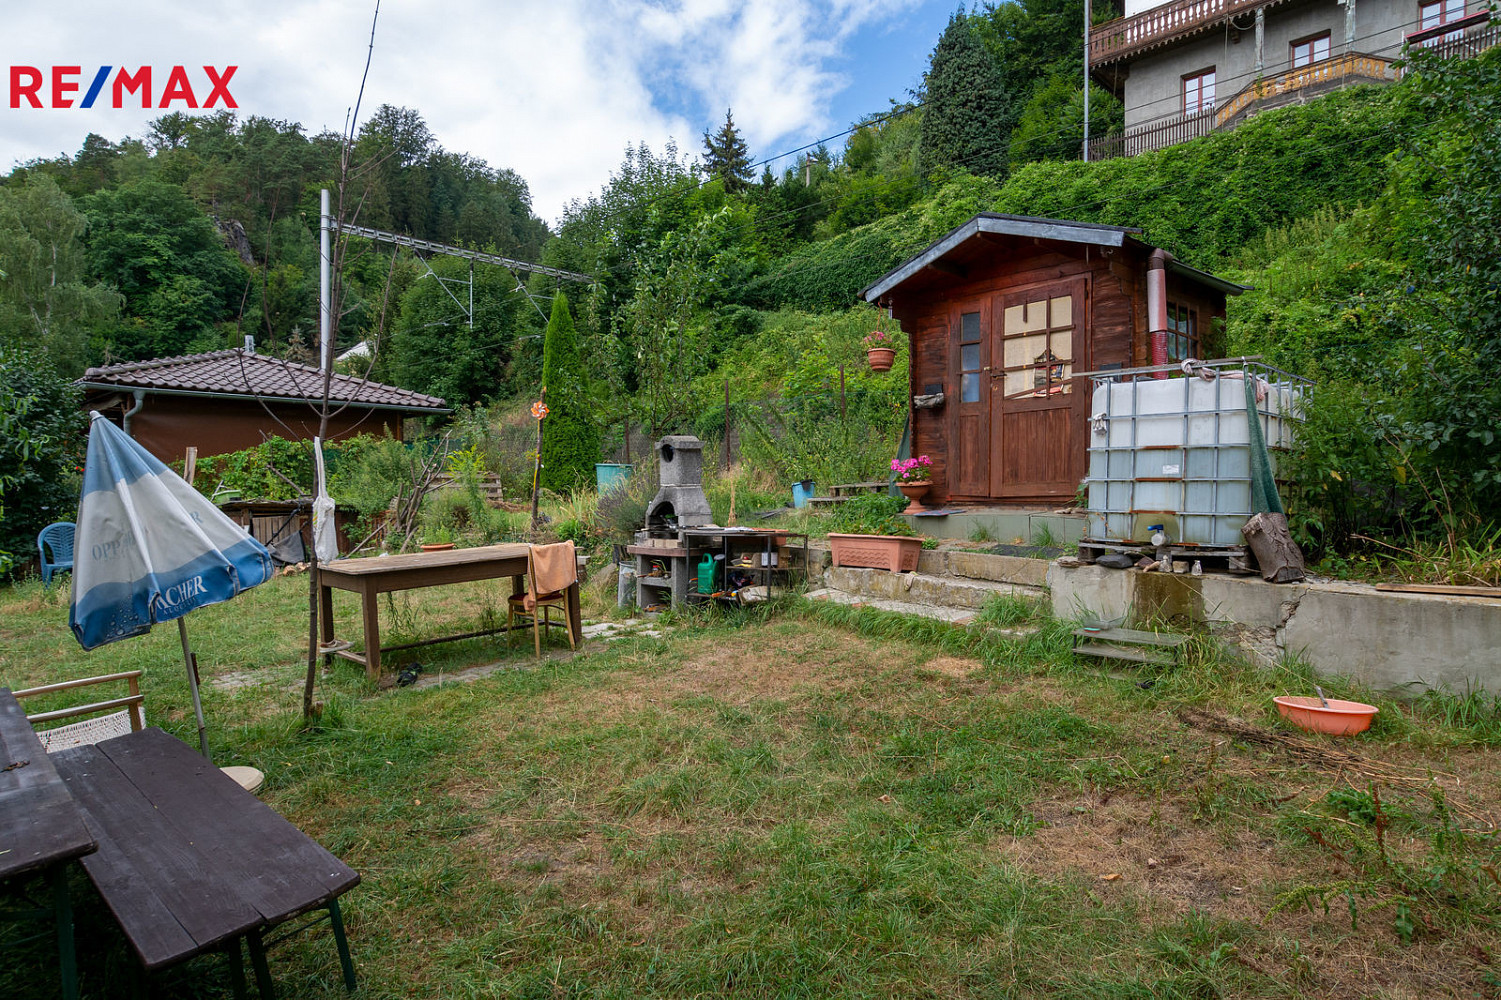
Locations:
(968, 115)
(570, 441)
(727, 157)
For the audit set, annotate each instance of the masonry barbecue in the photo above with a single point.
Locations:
(680, 502)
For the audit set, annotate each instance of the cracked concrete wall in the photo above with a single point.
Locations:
(1387, 640)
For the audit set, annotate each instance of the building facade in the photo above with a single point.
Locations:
(1184, 68)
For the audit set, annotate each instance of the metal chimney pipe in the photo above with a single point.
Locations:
(1157, 307)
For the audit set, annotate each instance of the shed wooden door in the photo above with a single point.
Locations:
(969, 428)
(1038, 339)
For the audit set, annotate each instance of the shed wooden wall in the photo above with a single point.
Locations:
(167, 425)
(1116, 318)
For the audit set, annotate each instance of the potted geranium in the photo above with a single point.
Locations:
(880, 349)
(913, 477)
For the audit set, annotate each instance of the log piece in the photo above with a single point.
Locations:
(1279, 557)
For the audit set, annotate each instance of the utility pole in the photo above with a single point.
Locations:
(1086, 81)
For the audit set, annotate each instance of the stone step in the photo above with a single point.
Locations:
(921, 588)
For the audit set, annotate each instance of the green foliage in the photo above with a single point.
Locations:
(151, 242)
(570, 439)
(968, 111)
(369, 473)
(46, 300)
(250, 472)
(41, 451)
(1051, 126)
(869, 514)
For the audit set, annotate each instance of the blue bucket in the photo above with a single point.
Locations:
(802, 492)
(611, 476)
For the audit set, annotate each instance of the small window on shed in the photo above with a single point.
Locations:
(969, 358)
(1182, 332)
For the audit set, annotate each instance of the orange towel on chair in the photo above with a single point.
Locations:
(554, 568)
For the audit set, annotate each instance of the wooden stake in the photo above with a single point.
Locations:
(726, 447)
(537, 467)
(731, 518)
(190, 464)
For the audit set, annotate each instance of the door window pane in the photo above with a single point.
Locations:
(969, 387)
(970, 361)
(969, 328)
(1038, 347)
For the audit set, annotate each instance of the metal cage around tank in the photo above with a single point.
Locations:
(1174, 454)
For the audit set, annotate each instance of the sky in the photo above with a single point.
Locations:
(553, 89)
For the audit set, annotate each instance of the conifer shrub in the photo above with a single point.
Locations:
(570, 439)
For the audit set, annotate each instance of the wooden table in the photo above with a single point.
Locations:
(384, 574)
(189, 862)
(41, 829)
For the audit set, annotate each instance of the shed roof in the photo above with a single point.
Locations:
(238, 372)
(1032, 227)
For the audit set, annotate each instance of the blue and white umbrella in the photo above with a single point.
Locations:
(150, 548)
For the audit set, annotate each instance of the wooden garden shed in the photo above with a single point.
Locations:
(1003, 314)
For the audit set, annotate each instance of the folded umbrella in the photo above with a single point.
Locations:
(150, 548)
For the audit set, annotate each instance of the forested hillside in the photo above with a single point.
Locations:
(1366, 221)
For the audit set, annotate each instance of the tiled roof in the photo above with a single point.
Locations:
(239, 373)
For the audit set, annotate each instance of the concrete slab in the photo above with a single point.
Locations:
(1003, 525)
(954, 616)
(996, 568)
(920, 588)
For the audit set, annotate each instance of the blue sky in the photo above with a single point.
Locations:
(553, 89)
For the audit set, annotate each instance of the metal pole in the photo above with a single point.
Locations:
(471, 295)
(192, 664)
(1086, 81)
(325, 307)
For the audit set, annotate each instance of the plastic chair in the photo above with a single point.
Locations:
(559, 569)
(60, 537)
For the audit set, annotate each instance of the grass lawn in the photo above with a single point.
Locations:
(821, 801)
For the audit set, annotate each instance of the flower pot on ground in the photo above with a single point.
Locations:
(914, 492)
(896, 553)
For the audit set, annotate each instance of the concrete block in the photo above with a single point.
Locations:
(1001, 569)
(1406, 641)
(933, 562)
(1247, 600)
(1090, 590)
(919, 588)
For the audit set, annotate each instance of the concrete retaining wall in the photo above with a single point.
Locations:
(1387, 640)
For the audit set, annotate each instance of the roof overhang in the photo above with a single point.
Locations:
(250, 396)
(1029, 227)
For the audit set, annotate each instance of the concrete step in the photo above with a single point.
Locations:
(954, 616)
(921, 588)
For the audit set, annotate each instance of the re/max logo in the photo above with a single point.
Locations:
(26, 83)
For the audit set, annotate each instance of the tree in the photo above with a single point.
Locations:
(166, 257)
(40, 450)
(570, 441)
(726, 156)
(45, 300)
(1052, 125)
(968, 114)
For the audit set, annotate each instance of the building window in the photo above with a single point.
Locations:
(1198, 92)
(1182, 333)
(1431, 15)
(1311, 50)
(1039, 347)
(969, 358)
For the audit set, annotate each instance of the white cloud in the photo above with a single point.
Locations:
(553, 89)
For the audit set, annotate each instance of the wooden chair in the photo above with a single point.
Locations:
(560, 571)
(127, 714)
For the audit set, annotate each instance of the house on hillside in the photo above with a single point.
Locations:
(1002, 316)
(1184, 68)
(228, 400)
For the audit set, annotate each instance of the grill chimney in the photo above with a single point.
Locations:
(680, 503)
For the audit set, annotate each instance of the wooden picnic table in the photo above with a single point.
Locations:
(190, 862)
(41, 828)
(385, 574)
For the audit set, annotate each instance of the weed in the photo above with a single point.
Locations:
(981, 533)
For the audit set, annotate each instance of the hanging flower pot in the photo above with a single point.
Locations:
(880, 350)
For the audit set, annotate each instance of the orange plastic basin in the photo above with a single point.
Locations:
(1340, 718)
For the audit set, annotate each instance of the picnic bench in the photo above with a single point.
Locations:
(189, 862)
(384, 574)
(41, 830)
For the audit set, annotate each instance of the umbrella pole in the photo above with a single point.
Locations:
(192, 664)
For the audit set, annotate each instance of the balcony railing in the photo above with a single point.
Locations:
(1330, 73)
(1127, 36)
(1463, 38)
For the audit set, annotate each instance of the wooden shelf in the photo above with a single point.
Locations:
(656, 552)
(655, 581)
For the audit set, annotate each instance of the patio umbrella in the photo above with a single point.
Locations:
(149, 548)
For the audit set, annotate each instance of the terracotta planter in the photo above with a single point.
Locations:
(894, 552)
(437, 547)
(914, 492)
(881, 358)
